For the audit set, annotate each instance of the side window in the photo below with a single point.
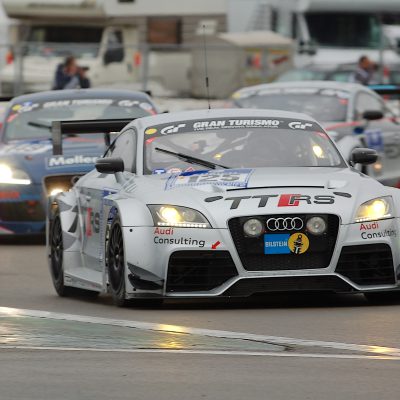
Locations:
(115, 47)
(366, 102)
(125, 148)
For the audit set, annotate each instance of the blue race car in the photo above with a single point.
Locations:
(30, 172)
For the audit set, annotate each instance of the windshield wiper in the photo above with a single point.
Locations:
(39, 125)
(192, 160)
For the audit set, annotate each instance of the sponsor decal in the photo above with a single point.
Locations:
(180, 241)
(285, 224)
(174, 171)
(298, 243)
(9, 195)
(284, 200)
(202, 125)
(299, 125)
(379, 235)
(231, 177)
(128, 103)
(171, 129)
(276, 243)
(284, 243)
(159, 171)
(232, 123)
(92, 222)
(61, 161)
(374, 140)
(78, 102)
(367, 227)
(164, 231)
(215, 245)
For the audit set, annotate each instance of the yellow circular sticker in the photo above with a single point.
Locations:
(150, 131)
(298, 243)
(17, 107)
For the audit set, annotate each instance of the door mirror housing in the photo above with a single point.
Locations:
(372, 115)
(110, 165)
(364, 156)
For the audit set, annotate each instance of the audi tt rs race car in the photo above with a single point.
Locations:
(29, 172)
(224, 203)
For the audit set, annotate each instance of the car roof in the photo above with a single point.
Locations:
(55, 95)
(347, 86)
(218, 113)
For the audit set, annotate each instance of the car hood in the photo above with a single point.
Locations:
(269, 191)
(36, 156)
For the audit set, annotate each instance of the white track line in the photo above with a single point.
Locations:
(376, 350)
(205, 352)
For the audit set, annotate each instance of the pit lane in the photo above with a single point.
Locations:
(292, 346)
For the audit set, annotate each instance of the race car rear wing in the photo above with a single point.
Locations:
(81, 127)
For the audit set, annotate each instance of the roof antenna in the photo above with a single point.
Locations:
(206, 67)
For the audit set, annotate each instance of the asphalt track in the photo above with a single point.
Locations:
(270, 347)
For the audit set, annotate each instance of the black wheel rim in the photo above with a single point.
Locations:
(116, 262)
(57, 249)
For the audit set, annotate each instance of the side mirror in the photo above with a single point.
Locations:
(364, 156)
(372, 115)
(110, 165)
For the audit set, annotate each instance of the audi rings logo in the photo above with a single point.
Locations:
(285, 224)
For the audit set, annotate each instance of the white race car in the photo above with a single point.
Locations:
(224, 203)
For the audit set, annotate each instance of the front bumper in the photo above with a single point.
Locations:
(363, 260)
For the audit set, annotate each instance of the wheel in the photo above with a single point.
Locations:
(116, 264)
(56, 262)
(56, 257)
(383, 297)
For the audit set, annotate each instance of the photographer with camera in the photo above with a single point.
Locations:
(70, 76)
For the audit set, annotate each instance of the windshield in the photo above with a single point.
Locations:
(61, 41)
(239, 143)
(344, 30)
(33, 120)
(321, 104)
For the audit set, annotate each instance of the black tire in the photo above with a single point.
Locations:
(56, 256)
(383, 297)
(56, 262)
(116, 264)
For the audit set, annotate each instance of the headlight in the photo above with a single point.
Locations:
(253, 227)
(316, 225)
(13, 176)
(182, 217)
(375, 209)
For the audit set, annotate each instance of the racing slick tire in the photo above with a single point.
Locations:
(116, 264)
(383, 297)
(56, 262)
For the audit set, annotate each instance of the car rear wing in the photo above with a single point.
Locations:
(81, 127)
(386, 90)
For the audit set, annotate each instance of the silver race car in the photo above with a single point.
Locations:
(224, 203)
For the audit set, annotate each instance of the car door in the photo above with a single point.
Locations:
(93, 197)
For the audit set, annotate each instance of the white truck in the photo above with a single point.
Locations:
(106, 36)
(326, 31)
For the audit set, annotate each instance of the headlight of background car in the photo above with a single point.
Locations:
(182, 217)
(12, 176)
(375, 209)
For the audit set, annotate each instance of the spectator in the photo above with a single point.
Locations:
(70, 76)
(364, 72)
